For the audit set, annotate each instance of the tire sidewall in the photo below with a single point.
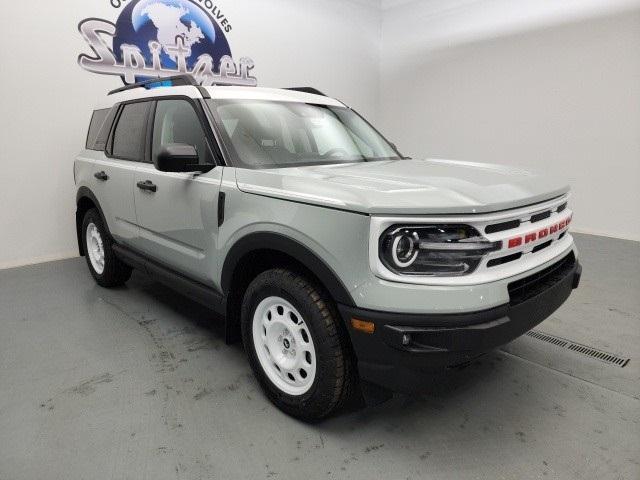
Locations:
(92, 216)
(269, 284)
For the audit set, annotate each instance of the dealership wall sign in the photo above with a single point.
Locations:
(160, 38)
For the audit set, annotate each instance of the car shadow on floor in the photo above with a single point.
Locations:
(440, 387)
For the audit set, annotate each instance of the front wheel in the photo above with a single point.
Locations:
(296, 345)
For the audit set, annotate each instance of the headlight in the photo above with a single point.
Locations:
(435, 250)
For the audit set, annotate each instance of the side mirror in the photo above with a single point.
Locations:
(178, 157)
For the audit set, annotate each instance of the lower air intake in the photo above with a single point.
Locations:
(529, 287)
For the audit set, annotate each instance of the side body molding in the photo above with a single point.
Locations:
(292, 248)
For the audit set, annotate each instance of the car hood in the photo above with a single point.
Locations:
(405, 186)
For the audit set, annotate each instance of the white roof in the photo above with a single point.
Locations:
(221, 92)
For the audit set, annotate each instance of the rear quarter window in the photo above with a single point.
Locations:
(95, 126)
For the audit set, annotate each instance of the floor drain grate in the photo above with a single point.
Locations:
(579, 348)
(547, 338)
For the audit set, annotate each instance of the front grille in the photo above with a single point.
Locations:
(501, 227)
(529, 287)
(502, 260)
(530, 218)
(540, 216)
(542, 246)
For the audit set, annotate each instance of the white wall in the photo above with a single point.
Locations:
(47, 99)
(562, 95)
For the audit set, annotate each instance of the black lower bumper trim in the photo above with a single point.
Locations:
(404, 347)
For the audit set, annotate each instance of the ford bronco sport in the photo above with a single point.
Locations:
(335, 259)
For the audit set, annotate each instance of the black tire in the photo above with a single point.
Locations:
(335, 377)
(115, 272)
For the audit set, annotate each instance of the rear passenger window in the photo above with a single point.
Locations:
(130, 132)
(97, 121)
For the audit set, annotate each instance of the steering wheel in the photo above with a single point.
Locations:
(336, 152)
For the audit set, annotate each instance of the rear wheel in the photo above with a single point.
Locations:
(106, 268)
(296, 344)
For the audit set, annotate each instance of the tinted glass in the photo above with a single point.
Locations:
(264, 134)
(177, 122)
(97, 120)
(128, 138)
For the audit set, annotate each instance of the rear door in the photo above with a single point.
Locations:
(177, 215)
(114, 173)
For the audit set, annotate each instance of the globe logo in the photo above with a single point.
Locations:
(171, 23)
(163, 38)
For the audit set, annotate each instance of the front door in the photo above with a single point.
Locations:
(177, 212)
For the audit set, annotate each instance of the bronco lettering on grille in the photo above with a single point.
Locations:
(539, 234)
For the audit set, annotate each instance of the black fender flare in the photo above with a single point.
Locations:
(85, 192)
(293, 248)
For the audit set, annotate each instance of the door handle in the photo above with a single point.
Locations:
(147, 185)
(101, 176)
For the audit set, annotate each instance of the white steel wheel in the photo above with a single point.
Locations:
(95, 248)
(284, 346)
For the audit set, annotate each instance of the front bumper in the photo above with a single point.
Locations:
(405, 348)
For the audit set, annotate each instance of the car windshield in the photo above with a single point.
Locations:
(269, 134)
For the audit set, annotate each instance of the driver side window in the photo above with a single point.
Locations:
(177, 122)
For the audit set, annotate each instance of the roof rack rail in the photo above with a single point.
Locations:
(312, 90)
(173, 81)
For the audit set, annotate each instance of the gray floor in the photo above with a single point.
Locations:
(135, 383)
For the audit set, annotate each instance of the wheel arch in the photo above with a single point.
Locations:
(257, 252)
(292, 248)
(86, 200)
